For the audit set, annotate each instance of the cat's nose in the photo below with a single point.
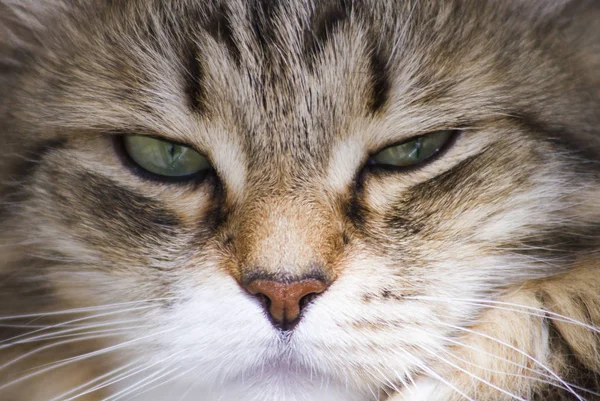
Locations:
(285, 301)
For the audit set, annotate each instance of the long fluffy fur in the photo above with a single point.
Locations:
(472, 276)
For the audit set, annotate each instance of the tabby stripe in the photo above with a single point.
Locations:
(581, 143)
(193, 81)
(559, 246)
(577, 374)
(380, 86)
(25, 169)
(115, 206)
(326, 19)
(262, 21)
(220, 28)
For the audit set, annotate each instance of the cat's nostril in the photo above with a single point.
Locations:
(285, 301)
(305, 300)
(264, 300)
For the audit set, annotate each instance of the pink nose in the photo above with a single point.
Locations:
(284, 301)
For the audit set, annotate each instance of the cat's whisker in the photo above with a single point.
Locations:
(534, 378)
(122, 330)
(75, 359)
(542, 377)
(189, 390)
(45, 347)
(551, 381)
(446, 339)
(512, 307)
(431, 373)
(472, 375)
(54, 366)
(114, 332)
(458, 343)
(107, 349)
(108, 375)
(121, 377)
(542, 261)
(406, 374)
(169, 380)
(22, 326)
(11, 340)
(23, 339)
(149, 379)
(19, 244)
(504, 343)
(389, 382)
(85, 309)
(552, 377)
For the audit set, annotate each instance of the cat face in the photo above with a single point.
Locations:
(298, 254)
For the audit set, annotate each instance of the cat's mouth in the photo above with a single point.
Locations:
(292, 366)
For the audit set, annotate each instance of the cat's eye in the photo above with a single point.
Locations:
(413, 151)
(164, 158)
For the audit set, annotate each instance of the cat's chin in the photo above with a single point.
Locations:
(272, 385)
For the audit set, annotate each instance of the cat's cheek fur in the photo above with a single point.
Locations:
(231, 341)
(424, 390)
(290, 100)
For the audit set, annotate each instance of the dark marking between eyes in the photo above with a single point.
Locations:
(262, 21)
(220, 28)
(193, 80)
(327, 18)
(380, 82)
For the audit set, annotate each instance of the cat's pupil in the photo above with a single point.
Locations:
(416, 153)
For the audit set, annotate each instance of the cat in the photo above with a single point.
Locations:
(300, 200)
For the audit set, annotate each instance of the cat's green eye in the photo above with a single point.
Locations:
(164, 158)
(414, 151)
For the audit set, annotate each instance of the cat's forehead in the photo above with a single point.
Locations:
(296, 73)
(289, 81)
(292, 81)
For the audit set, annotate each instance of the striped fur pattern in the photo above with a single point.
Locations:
(475, 276)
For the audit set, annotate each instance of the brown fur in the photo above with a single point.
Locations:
(475, 274)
